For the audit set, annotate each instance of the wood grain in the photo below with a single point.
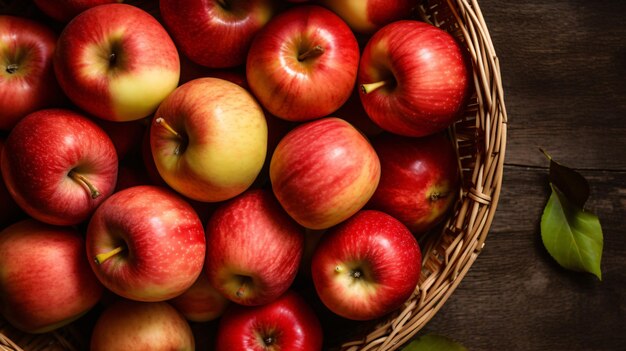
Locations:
(564, 65)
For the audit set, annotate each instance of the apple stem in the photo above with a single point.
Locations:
(81, 179)
(12, 68)
(369, 87)
(100, 258)
(315, 51)
(160, 121)
(242, 290)
(268, 341)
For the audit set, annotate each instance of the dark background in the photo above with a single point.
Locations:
(564, 70)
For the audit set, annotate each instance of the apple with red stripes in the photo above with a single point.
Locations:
(116, 62)
(367, 16)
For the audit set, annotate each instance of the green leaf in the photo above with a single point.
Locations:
(572, 236)
(571, 183)
(432, 342)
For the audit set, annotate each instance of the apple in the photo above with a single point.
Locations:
(116, 62)
(367, 16)
(142, 326)
(215, 33)
(27, 81)
(419, 179)
(414, 78)
(10, 212)
(303, 64)
(287, 323)
(209, 139)
(59, 166)
(201, 302)
(253, 249)
(367, 266)
(65, 10)
(45, 280)
(146, 243)
(323, 172)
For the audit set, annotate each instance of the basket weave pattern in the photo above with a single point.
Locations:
(480, 137)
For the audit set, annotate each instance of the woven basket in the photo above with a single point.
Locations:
(448, 254)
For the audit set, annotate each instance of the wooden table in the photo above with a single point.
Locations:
(564, 71)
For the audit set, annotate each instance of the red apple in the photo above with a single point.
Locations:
(45, 280)
(65, 10)
(253, 249)
(231, 25)
(287, 323)
(414, 78)
(367, 16)
(10, 212)
(303, 64)
(367, 266)
(201, 302)
(209, 139)
(146, 243)
(27, 81)
(59, 166)
(116, 62)
(324, 172)
(142, 326)
(419, 179)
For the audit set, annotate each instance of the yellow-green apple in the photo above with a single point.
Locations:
(209, 139)
(45, 280)
(230, 24)
(323, 172)
(414, 78)
(253, 249)
(303, 64)
(146, 243)
(27, 81)
(287, 323)
(201, 302)
(367, 16)
(116, 62)
(65, 10)
(419, 179)
(10, 212)
(59, 166)
(367, 266)
(141, 326)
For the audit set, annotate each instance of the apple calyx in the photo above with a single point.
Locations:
(12, 68)
(436, 196)
(94, 192)
(163, 123)
(369, 87)
(313, 52)
(268, 341)
(100, 258)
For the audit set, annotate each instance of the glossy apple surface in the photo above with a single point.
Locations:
(146, 243)
(45, 279)
(414, 78)
(367, 16)
(27, 81)
(142, 326)
(116, 62)
(10, 212)
(419, 179)
(324, 172)
(230, 24)
(59, 166)
(287, 323)
(253, 249)
(209, 139)
(201, 302)
(367, 266)
(65, 10)
(303, 63)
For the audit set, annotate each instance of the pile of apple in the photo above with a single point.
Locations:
(190, 163)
